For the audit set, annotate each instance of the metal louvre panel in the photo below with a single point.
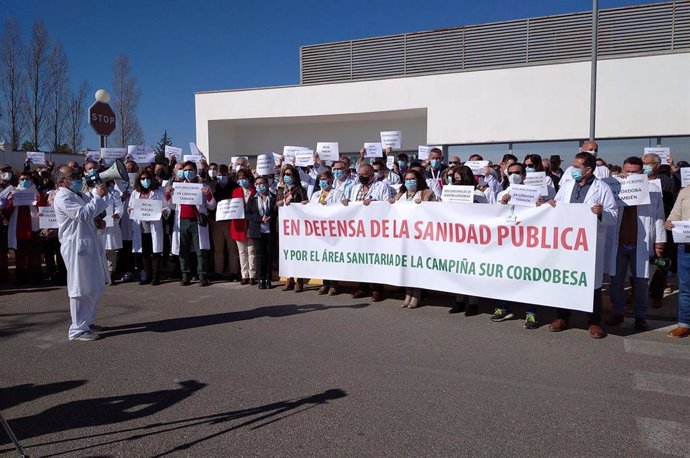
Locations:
(656, 28)
(681, 31)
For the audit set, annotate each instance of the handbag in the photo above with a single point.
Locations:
(202, 219)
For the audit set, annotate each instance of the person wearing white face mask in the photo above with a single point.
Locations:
(112, 235)
(81, 249)
(126, 264)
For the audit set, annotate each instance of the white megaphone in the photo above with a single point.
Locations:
(117, 171)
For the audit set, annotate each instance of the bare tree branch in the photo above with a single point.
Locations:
(12, 83)
(37, 63)
(59, 96)
(126, 98)
(76, 117)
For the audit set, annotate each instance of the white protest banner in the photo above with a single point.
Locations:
(47, 218)
(196, 158)
(304, 158)
(663, 153)
(373, 150)
(187, 193)
(265, 164)
(630, 191)
(177, 152)
(523, 195)
(230, 209)
(109, 221)
(278, 159)
(424, 151)
(681, 231)
(477, 166)
(392, 138)
(546, 259)
(21, 198)
(141, 154)
(328, 151)
(146, 209)
(390, 160)
(684, 176)
(195, 150)
(457, 193)
(109, 155)
(537, 179)
(36, 157)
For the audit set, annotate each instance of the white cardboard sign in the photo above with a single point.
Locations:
(109, 221)
(684, 176)
(195, 150)
(681, 231)
(523, 195)
(21, 198)
(109, 155)
(146, 209)
(187, 193)
(477, 166)
(630, 191)
(304, 158)
(458, 193)
(328, 151)
(663, 153)
(47, 218)
(141, 154)
(537, 179)
(373, 150)
(36, 157)
(230, 209)
(177, 152)
(392, 138)
(265, 164)
(196, 158)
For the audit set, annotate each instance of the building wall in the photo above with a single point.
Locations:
(636, 97)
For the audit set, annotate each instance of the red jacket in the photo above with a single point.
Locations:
(238, 227)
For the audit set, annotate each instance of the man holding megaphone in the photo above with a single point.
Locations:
(81, 247)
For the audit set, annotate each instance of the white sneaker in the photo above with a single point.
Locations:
(87, 336)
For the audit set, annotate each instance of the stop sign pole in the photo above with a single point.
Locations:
(102, 117)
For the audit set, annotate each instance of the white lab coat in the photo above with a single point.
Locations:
(157, 229)
(112, 236)
(392, 179)
(125, 222)
(80, 245)
(334, 196)
(12, 225)
(600, 193)
(650, 227)
(204, 240)
(379, 191)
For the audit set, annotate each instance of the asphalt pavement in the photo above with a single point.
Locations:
(234, 371)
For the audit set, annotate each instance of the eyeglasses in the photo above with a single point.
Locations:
(454, 163)
(528, 164)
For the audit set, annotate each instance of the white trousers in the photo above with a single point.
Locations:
(247, 258)
(83, 311)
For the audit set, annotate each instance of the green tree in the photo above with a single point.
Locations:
(28, 146)
(160, 149)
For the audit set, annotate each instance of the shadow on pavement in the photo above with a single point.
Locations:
(264, 415)
(100, 411)
(27, 392)
(182, 323)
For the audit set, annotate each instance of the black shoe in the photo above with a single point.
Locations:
(471, 310)
(203, 281)
(267, 285)
(458, 307)
(262, 284)
(185, 280)
(641, 324)
(156, 280)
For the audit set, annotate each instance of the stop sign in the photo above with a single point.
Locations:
(102, 118)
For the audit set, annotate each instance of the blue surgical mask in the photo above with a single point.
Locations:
(436, 163)
(76, 185)
(189, 174)
(402, 165)
(222, 180)
(647, 169)
(576, 173)
(243, 182)
(145, 183)
(337, 173)
(411, 184)
(24, 184)
(529, 169)
(261, 188)
(180, 174)
(323, 184)
(287, 179)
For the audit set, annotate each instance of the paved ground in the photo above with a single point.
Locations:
(234, 371)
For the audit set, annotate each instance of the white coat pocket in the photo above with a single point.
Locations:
(84, 247)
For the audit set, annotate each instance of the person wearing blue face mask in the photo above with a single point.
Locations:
(81, 249)
(148, 235)
(341, 176)
(291, 191)
(238, 229)
(435, 170)
(401, 164)
(414, 189)
(327, 194)
(223, 188)
(261, 215)
(190, 230)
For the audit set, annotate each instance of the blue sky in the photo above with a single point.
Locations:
(179, 47)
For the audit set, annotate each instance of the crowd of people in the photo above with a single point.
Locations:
(633, 242)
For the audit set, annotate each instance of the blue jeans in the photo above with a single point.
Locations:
(684, 286)
(627, 256)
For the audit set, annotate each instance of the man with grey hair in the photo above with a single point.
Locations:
(81, 249)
